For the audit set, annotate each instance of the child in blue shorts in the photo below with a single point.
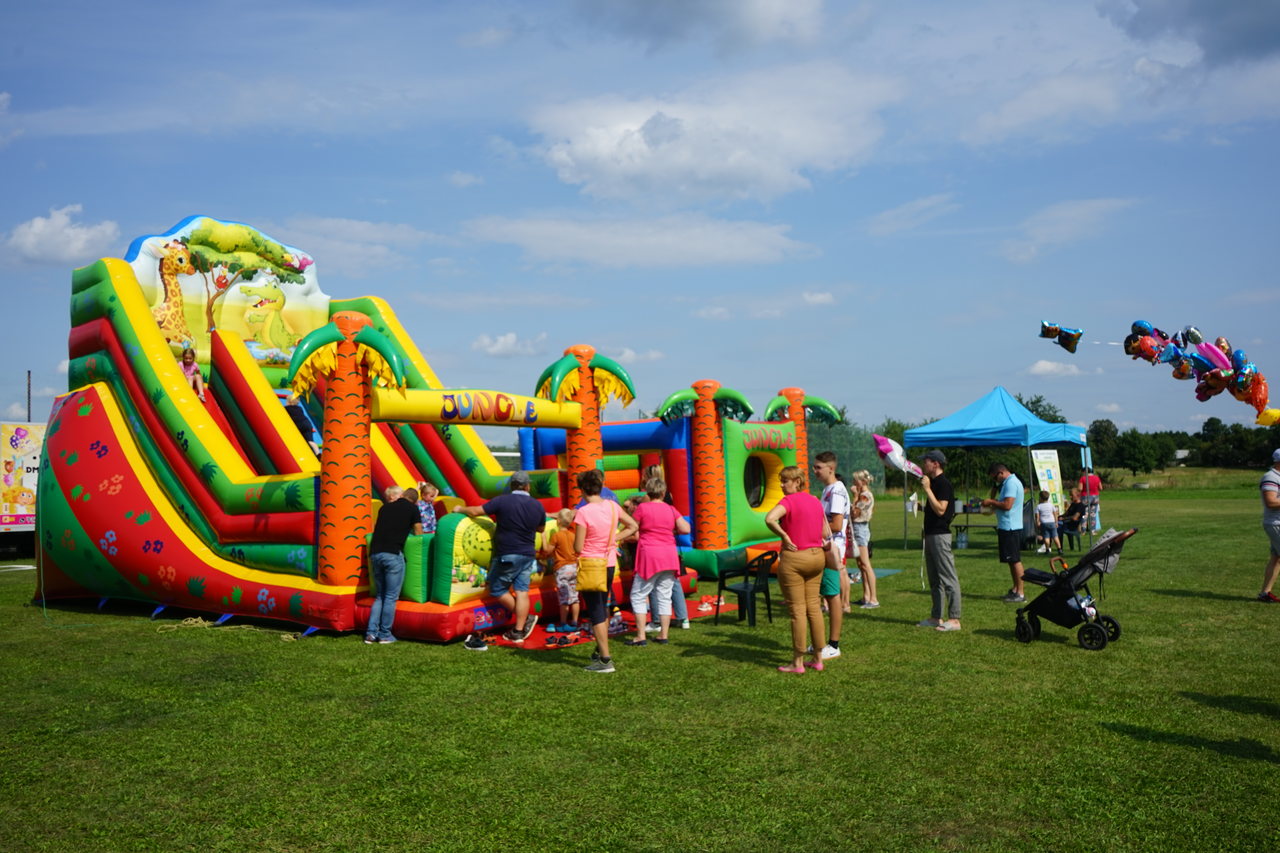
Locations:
(1047, 519)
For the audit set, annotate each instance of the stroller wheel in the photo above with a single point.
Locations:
(1112, 627)
(1092, 636)
(1022, 631)
(1034, 621)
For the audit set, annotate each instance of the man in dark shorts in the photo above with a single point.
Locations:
(939, 509)
(519, 517)
(398, 518)
(1008, 507)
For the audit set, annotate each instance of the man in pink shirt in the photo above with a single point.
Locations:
(1090, 485)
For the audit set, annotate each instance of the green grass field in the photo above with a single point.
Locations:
(122, 733)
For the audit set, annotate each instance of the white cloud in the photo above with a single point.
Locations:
(732, 24)
(1108, 408)
(911, 215)
(462, 180)
(509, 345)
(818, 298)
(712, 312)
(756, 136)
(16, 411)
(627, 355)
(673, 241)
(1060, 225)
(64, 366)
(55, 239)
(1047, 107)
(1237, 93)
(1224, 32)
(1053, 368)
(354, 247)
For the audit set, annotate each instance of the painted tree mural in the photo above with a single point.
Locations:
(585, 377)
(706, 402)
(349, 355)
(226, 253)
(793, 405)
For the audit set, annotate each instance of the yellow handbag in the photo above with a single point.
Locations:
(593, 572)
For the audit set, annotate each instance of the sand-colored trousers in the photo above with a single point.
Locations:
(800, 576)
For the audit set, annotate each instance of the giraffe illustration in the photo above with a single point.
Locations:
(175, 260)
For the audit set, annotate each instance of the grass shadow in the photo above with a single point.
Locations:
(1195, 593)
(738, 646)
(1045, 637)
(889, 620)
(1239, 748)
(1241, 704)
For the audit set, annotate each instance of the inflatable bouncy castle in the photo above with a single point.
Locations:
(255, 494)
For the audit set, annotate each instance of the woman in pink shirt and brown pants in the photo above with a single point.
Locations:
(801, 523)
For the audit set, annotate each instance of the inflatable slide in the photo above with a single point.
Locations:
(254, 495)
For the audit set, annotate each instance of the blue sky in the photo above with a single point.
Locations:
(878, 202)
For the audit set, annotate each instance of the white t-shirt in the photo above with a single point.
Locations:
(1045, 510)
(1270, 483)
(835, 501)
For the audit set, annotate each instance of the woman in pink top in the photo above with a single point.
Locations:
(801, 523)
(595, 537)
(657, 560)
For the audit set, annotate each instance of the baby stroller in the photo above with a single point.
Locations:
(1062, 603)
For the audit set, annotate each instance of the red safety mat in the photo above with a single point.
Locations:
(540, 640)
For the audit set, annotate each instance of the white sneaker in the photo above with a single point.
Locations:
(829, 652)
(1042, 550)
(652, 628)
(685, 625)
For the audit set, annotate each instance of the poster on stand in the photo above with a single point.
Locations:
(1048, 476)
(20, 445)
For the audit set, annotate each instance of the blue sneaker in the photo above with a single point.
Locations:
(552, 628)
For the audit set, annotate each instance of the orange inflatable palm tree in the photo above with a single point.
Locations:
(793, 405)
(585, 377)
(707, 403)
(350, 354)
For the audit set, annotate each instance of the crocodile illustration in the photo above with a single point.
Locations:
(263, 319)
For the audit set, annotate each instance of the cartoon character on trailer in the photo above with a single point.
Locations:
(19, 496)
(1216, 367)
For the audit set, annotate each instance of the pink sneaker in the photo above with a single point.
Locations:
(798, 670)
(815, 665)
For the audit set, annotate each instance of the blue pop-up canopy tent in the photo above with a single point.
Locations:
(996, 420)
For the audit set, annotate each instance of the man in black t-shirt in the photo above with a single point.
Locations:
(398, 518)
(939, 508)
(519, 518)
